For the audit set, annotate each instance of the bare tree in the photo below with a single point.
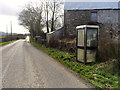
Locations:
(45, 14)
(53, 14)
(46, 11)
(56, 10)
(31, 18)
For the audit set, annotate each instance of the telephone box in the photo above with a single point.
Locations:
(87, 43)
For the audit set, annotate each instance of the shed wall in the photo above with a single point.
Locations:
(107, 19)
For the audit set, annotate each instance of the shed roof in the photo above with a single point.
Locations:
(91, 5)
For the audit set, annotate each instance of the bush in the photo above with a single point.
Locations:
(108, 49)
(63, 45)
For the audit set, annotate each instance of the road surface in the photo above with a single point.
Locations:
(24, 66)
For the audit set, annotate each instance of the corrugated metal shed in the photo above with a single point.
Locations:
(91, 5)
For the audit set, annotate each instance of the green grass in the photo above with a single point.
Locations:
(90, 72)
(4, 43)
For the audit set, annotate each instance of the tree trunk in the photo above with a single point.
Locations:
(47, 19)
(53, 15)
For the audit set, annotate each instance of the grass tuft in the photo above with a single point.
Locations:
(4, 43)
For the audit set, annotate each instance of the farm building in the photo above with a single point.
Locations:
(104, 14)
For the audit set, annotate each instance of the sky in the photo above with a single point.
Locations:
(9, 11)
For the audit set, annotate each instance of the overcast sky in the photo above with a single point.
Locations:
(9, 10)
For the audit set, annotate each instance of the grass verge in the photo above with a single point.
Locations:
(4, 43)
(92, 72)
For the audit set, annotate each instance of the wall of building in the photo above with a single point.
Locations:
(119, 23)
(107, 19)
(109, 22)
(58, 34)
(74, 18)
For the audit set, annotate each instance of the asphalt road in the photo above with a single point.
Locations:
(24, 66)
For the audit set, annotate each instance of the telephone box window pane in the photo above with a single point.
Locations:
(92, 38)
(80, 55)
(80, 37)
(91, 55)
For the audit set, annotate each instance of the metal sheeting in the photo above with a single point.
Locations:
(91, 5)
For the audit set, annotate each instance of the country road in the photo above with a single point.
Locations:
(24, 66)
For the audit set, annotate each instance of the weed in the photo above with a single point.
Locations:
(89, 72)
(4, 43)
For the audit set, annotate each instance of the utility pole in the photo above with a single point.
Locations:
(6, 31)
(11, 29)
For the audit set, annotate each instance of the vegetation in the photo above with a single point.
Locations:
(108, 48)
(4, 43)
(95, 73)
(42, 15)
